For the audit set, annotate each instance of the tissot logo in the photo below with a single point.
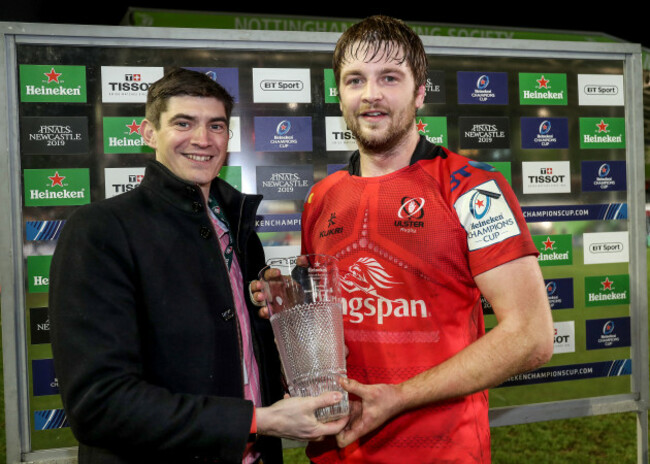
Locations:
(564, 337)
(124, 84)
(337, 135)
(546, 177)
(121, 180)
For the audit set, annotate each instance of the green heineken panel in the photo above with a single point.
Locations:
(542, 89)
(232, 175)
(52, 83)
(602, 132)
(554, 250)
(38, 274)
(434, 128)
(607, 290)
(331, 90)
(56, 187)
(122, 135)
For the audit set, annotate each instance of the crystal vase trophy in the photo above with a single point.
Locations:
(305, 307)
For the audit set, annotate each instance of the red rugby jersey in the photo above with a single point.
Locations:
(409, 244)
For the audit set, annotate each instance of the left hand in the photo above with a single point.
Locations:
(378, 404)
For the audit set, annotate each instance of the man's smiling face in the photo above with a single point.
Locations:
(192, 140)
(379, 100)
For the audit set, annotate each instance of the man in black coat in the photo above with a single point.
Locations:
(158, 349)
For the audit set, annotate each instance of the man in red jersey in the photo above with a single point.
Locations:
(420, 233)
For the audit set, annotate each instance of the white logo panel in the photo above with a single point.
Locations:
(564, 340)
(337, 135)
(606, 247)
(546, 176)
(600, 90)
(281, 85)
(120, 180)
(128, 84)
(234, 143)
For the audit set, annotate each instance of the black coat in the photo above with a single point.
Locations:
(144, 330)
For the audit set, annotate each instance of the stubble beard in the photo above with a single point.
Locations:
(379, 140)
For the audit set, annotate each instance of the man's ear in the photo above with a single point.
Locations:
(419, 97)
(148, 133)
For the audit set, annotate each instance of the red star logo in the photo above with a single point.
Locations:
(420, 125)
(134, 127)
(602, 126)
(607, 285)
(52, 76)
(548, 244)
(543, 83)
(57, 179)
(479, 203)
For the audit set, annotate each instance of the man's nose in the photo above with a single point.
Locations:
(200, 136)
(371, 92)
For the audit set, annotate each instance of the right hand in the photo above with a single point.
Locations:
(257, 289)
(295, 418)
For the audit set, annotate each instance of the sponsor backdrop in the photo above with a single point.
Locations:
(555, 129)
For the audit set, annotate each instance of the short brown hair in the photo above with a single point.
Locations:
(180, 82)
(378, 37)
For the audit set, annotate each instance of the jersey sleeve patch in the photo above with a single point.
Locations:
(485, 215)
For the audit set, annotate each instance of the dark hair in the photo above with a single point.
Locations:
(381, 37)
(179, 82)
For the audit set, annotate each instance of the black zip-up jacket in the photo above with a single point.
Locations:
(144, 329)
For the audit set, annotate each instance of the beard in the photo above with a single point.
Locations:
(381, 139)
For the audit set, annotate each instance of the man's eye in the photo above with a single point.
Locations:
(182, 124)
(218, 127)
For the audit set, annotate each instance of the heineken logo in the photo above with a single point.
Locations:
(52, 83)
(607, 290)
(47, 187)
(57, 179)
(52, 76)
(542, 89)
(434, 129)
(602, 133)
(38, 274)
(554, 250)
(122, 135)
